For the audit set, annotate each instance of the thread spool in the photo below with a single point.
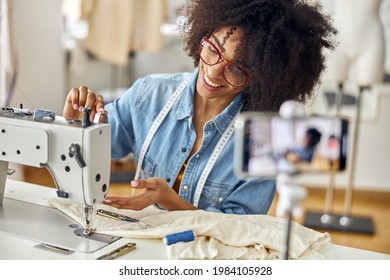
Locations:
(184, 236)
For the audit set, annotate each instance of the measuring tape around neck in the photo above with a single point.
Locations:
(213, 158)
(156, 124)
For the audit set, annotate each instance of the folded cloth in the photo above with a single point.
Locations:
(218, 235)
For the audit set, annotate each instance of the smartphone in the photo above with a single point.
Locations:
(267, 145)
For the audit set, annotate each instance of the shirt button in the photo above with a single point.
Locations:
(183, 150)
(185, 187)
(168, 180)
(197, 156)
(220, 199)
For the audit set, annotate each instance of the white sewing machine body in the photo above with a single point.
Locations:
(77, 157)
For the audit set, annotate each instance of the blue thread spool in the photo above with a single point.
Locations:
(184, 236)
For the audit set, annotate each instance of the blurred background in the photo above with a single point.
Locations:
(49, 46)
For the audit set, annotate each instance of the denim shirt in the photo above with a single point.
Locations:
(132, 114)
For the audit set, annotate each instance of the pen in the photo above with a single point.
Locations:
(118, 252)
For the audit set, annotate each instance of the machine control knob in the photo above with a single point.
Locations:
(86, 121)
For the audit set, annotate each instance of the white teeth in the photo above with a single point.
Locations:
(210, 82)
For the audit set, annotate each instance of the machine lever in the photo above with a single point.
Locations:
(74, 150)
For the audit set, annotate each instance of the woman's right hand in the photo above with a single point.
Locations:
(79, 98)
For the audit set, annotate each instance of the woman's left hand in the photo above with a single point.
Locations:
(155, 190)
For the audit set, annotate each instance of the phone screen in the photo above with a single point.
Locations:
(269, 145)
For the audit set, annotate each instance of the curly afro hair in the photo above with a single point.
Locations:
(282, 47)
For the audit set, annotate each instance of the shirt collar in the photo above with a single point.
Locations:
(184, 106)
(223, 120)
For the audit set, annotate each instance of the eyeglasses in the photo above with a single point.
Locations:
(233, 74)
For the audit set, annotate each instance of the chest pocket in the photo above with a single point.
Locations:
(148, 168)
(213, 195)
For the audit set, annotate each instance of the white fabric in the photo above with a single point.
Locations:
(218, 235)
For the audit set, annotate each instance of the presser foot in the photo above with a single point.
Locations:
(84, 232)
(88, 231)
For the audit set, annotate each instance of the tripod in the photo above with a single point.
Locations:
(290, 196)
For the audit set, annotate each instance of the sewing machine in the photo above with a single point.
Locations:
(77, 154)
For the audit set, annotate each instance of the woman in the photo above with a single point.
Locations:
(306, 151)
(249, 55)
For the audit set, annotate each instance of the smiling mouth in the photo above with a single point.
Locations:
(209, 82)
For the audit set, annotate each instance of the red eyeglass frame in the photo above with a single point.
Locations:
(221, 58)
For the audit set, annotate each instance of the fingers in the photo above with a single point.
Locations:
(99, 103)
(82, 97)
(85, 98)
(154, 190)
(151, 183)
(70, 110)
(134, 203)
(117, 202)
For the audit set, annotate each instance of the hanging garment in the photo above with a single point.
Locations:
(118, 28)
